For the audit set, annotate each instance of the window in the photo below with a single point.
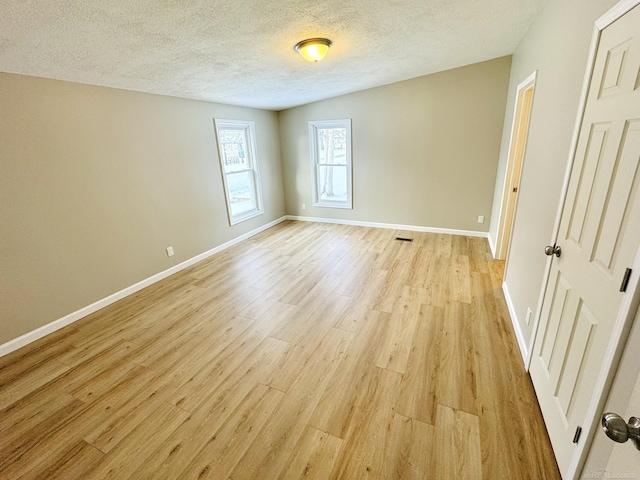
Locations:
(237, 148)
(331, 163)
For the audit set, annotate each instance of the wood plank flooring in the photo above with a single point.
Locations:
(310, 351)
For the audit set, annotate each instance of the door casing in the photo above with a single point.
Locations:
(517, 150)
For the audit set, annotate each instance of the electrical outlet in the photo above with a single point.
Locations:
(169, 251)
(480, 218)
(528, 317)
(304, 206)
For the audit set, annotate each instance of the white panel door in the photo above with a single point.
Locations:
(599, 236)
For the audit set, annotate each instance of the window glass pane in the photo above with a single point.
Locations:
(332, 146)
(331, 163)
(332, 183)
(234, 150)
(239, 165)
(241, 192)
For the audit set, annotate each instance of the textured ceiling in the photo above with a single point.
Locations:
(240, 52)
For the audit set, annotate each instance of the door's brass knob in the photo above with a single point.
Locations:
(620, 431)
(552, 250)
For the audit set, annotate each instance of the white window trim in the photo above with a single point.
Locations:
(249, 127)
(313, 143)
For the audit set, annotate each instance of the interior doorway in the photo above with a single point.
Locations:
(517, 147)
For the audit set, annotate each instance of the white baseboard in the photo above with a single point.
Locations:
(492, 245)
(516, 324)
(38, 333)
(393, 226)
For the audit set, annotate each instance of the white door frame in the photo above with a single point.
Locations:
(500, 252)
(630, 301)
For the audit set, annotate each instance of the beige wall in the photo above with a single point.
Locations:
(96, 182)
(425, 150)
(556, 46)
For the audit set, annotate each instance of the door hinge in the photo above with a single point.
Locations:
(576, 437)
(625, 280)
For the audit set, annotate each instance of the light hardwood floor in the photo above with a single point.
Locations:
(309, 351)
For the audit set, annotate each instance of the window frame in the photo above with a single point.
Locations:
(314, 126)
(248, 126)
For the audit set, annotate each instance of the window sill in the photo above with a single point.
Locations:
(245, 216)
(333, 205)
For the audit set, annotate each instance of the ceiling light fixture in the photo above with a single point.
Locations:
(313, 49)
